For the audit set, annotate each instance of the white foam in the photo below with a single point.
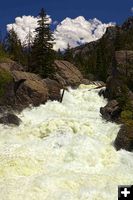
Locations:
(63, 152)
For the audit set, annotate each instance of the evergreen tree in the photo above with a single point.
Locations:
(28, 49)
(42, 50)
(13, 47)
(68, 54)
(118, 40)
(59, 55)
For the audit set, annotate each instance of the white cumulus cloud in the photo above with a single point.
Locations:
(73, 31)
(78, 31)
(132, 9)
(23, 25)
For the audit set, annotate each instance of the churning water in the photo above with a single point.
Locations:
(63, 152)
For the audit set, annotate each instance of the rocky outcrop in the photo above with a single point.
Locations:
(111, 111)
(118, 86)
(9, 119)
(67, 74)
(11, 65)
(119, 81)
(53, 89)
(128, 24)
(115, 87)
(32, 91)
(24, 89)
(124, 139)
(124, 61)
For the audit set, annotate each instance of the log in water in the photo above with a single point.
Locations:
(63, 151)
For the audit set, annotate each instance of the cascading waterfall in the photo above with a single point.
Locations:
(63, 151)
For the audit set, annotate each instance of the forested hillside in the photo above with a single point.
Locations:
(96, 57)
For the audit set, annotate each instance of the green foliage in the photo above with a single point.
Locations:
(14, 48)
(5, 78)
(59, 55)
(3, 55)
(68, 54)
(96, 57)
(126, 115)
(42, 50)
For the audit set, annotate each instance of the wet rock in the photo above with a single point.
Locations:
(53, 89)
(102, 92)
(9, 119)
(124, 139)
(86, 81)
(111, 111)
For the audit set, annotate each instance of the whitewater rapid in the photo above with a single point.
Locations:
(63, 151)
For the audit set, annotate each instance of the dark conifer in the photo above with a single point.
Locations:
(42, 50)
(68, 54)
(13, 47)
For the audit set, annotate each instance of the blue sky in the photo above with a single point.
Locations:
(105, 10)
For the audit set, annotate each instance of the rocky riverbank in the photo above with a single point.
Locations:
(20, 89)
(119, 92)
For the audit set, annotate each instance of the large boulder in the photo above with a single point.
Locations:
(53, 89)
(9, 119)
(124, 139)
(116, 87)
(67, 74)
(33, 89)
(20, 89)
(111, 111)
(11, 65)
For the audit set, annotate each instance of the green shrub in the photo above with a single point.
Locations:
(5, 78)
(126, 115)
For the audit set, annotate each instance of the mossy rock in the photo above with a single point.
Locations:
(124, 139)
(5, 60)
(5, 78)
(127, 115)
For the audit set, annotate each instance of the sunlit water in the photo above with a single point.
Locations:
(63, 152)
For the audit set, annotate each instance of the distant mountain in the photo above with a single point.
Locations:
(96, 57)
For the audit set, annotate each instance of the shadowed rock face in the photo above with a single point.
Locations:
(124, 61)
(124, 139)
(111, 111)
(53, 89)
(128, 24)
(119, 86)
(9, 119)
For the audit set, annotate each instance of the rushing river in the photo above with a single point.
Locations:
(63, 152)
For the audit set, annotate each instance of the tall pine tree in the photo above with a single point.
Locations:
(42, 50)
